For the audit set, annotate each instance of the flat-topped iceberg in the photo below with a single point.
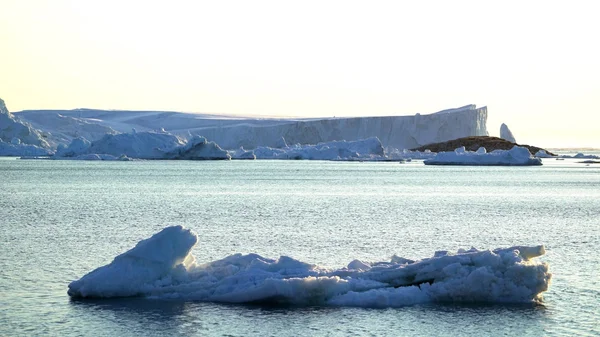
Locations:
(163, 267)
(517, 156)
(232, 132)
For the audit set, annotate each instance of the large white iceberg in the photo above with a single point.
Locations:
(364, 149)
(12, 129)
(143, 145)
(517, 156)
(163, 267)
(17, 149)
(402, 132)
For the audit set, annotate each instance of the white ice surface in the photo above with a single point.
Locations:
(363, 149)
(580, 155)
(542, 154)
(517, 156)
(18, 149)
(233, 132)
(143, 145)
(506, 134)
(395, 154)
(162, 267)
(12, 128)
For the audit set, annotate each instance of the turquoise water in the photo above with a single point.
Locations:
(61, 219)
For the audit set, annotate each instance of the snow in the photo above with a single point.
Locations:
(517, 156)
(143, 145)
(402, 132)
(506, 134)
(163, 267)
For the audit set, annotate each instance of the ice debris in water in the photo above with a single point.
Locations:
(163, 267)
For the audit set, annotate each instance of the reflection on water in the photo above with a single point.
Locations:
(160, 317)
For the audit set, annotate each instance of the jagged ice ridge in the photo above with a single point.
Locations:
(162, 267)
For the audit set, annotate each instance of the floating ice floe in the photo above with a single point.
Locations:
(517, 156)
(163, 267)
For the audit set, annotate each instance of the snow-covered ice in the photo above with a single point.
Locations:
(517, 156)
(163, 267)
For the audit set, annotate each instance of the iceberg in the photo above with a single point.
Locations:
(230, 132)
(364, 149)
(580, 155)
(198, 148)
(517, 156)
(142, 145)
(506, 134)
(242, 154)
(15, 131)
(17, 149)
(406, 155)
(542, 154)
(163, 267)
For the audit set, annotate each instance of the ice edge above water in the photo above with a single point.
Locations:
(162, 267)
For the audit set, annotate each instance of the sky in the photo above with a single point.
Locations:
(534, 64)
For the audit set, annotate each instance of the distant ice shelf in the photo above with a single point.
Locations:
(401, 132)
(162, 267)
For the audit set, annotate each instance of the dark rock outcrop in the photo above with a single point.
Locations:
(475, 142)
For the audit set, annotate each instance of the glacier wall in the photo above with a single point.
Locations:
(402, 132)
(231, 132)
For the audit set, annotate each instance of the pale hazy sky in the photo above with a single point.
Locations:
(535, 64)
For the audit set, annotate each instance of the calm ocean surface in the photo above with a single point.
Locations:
(61, 219)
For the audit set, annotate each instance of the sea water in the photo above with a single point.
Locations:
(62, 219)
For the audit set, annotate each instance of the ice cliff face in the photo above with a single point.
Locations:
(403, 132)
(506, 134)
(12, 129)
(234, 132)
